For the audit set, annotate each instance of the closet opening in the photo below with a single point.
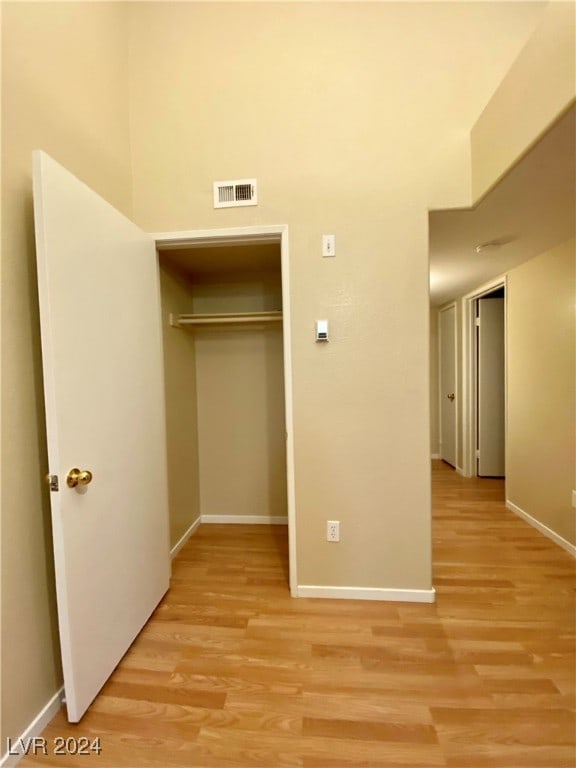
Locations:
(225, 314)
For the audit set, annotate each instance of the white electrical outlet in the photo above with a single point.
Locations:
(332, 530)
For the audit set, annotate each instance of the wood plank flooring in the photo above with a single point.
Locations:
(230, 671)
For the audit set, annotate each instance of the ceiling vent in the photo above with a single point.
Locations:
(232, 194)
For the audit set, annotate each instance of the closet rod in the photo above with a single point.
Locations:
(179, 321)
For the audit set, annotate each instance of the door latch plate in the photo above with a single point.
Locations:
(52, 481)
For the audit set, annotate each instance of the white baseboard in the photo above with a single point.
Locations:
(458, 470)
(368, 593)
(245, 519)
(34, 729)
(556, 538)
(179, 544)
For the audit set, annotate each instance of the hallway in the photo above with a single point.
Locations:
(230, 671)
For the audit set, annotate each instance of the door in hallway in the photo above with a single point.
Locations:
(490, 392)
(448, 404)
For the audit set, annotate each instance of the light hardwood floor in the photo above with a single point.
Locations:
(232, 672)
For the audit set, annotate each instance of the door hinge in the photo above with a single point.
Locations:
(477, 454)
(52, 481)
(478, 322)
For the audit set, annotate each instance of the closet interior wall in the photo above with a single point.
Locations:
(224, 386)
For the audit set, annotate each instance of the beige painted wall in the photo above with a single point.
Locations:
(240, 375)
(540, 458)
(350, 138)
(539, 86)
(64, 90)
(237, 291)
(241, 421)
(181, 415)
(434, 382)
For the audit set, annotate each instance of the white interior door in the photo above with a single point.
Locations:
(103, 382)
(448, 385)
(491, 416)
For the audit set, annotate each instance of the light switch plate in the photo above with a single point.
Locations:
(321, 330)
(328, 245)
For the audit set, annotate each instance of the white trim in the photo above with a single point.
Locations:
(260, 234)
(368, 593)
(556, 538)
(460, 471)
(290, 471)
(451, 305)
(35, 728)
(220, 236)
(244, 519)
(435, 456)
(183, 539)
(469, 371)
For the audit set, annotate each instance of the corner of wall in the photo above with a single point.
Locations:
(540, 86)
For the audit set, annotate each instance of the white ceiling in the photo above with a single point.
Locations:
(531, 210)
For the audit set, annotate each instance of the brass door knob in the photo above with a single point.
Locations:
(451, 396)
(78, 477)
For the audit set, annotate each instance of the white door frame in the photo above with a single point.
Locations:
(452, 305)
(469, 372)
(251, 236)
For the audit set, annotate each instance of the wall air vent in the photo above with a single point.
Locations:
(231, 194)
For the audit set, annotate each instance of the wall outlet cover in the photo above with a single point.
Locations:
(333, 530)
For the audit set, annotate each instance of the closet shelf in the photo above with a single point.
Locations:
(181, 321)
